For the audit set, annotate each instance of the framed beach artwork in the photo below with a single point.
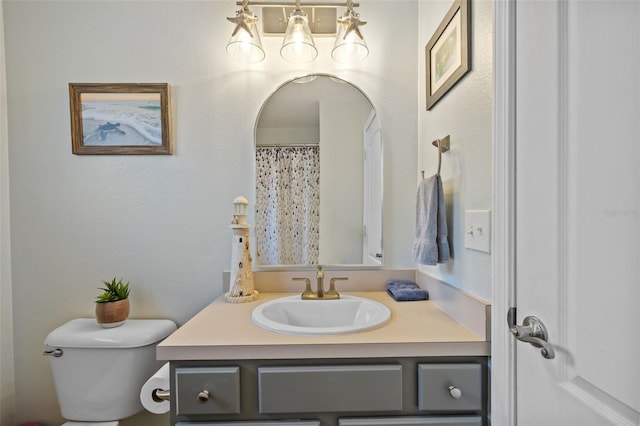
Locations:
(448, 52)
(120, 118)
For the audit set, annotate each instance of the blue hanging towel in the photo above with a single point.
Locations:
(430, 246)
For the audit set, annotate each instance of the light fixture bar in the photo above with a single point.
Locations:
(293, 3)
(298, 45)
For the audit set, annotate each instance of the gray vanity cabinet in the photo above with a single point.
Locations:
(330, 388)
(450, 387)
(433, 391)
(252, 423)
(414, 421)
(208, 390)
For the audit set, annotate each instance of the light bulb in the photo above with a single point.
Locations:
(350, 45)
(298, 45)
(245, 44)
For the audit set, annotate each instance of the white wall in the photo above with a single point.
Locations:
(287, 135)
(160, 222)
(341, 180)
(6, 323)
(465, 113)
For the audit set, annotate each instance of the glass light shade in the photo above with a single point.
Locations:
(298, 45)
(246, 48)
(350, 48)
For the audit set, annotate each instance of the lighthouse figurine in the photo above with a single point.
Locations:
(241, 280)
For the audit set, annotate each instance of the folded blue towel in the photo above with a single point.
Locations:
(405, 291)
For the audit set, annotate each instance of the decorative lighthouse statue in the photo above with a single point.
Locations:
(241, 281)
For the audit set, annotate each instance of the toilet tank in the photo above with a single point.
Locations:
(100, 373)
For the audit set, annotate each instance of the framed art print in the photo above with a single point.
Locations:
(120, 118)
(448, 52)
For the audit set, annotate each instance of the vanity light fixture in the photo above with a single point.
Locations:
(245, 44)
(350, 45)
(298, 45)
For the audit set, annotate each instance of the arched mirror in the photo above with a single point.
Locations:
(318, 175)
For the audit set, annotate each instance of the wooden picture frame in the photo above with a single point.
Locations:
(448, 52)
(120, 118)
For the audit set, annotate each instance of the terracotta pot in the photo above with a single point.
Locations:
(112, 314)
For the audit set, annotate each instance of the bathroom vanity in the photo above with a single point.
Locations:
(422, 368)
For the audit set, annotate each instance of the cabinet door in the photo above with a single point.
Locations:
(332, 389)
(268, 423)
(450, 387)
(414, 421)
(207, 390)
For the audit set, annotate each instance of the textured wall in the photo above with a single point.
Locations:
(160, 221)
(465, 113)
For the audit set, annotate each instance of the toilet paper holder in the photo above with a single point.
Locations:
(155, 394)
(160, 395)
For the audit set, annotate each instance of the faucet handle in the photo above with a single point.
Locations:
(307, 291)
(333, 293)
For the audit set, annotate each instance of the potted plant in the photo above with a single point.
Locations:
(112, 306)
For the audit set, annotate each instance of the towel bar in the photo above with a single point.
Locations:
(443, 145)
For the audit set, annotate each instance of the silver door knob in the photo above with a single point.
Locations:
(531, 331)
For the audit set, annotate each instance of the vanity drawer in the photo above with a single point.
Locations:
(252, 423)
(435, 381)
(332, 388)
(221, 383)
(414, 421)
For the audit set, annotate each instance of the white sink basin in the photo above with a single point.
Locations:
(292, 315)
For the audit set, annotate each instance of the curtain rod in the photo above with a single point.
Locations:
(288, 145)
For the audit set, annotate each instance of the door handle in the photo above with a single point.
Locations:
(531, 331)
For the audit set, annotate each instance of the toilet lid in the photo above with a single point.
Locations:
(86, 333)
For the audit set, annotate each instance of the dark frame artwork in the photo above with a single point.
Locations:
(120, 118)
(448, 52)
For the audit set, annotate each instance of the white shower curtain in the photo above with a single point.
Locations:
(287, 205)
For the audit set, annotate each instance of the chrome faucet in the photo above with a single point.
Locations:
(309, 294)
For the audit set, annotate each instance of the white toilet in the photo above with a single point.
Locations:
(98, 372)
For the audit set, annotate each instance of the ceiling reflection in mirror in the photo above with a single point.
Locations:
(318, 176)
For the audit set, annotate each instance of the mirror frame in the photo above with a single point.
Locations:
(303, 267)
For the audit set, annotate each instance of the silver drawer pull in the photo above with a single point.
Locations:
(203, 397)
(455, 392)
(57, 353)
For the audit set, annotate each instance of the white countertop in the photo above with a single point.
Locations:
(224, 331)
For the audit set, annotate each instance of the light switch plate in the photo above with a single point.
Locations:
(477, 231)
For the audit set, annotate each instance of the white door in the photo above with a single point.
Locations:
(372, 203)
(577, 204)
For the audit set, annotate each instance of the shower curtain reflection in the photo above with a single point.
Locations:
(287, 205)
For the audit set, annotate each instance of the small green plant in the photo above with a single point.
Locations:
(113, 291)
